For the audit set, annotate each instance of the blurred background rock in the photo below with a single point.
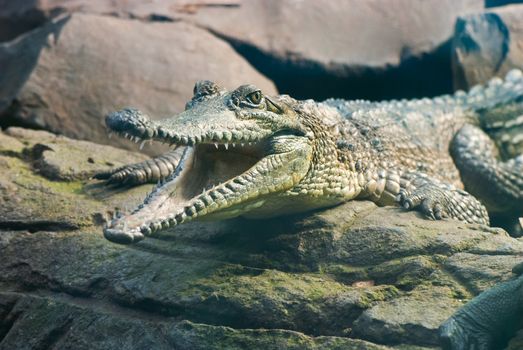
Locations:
(65, 64)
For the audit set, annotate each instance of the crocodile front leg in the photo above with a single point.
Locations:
(151, 170)
(487, 321)
(436, 200)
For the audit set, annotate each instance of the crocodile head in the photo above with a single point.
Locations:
(237, 149)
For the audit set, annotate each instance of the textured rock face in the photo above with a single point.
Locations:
(357, 49)
(352, 277)
(486, 45)
(67, 75)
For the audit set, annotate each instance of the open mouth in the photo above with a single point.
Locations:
(209, 179)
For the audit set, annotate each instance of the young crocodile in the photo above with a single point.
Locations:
(241, 153)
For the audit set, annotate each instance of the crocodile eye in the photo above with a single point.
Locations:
(255, 97)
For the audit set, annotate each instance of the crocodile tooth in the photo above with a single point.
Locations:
(145, 230)
(180, 217)
(163, 133)
(216, 145)
(184, 140)
(234, 145)
(142, 144)
(190, 211)
(224, 190)
(226, 146)
(199, 205)
(136, 139)
(242, 144)
(110, 135)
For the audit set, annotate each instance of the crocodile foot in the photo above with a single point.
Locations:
(424, 199)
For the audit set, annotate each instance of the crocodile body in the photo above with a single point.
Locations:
(240, 153)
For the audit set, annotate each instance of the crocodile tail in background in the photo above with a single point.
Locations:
(499, 105)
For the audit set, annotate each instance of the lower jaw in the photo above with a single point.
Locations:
(241, 194)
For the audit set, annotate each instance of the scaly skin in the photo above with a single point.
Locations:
(240, 153)
(488, 321)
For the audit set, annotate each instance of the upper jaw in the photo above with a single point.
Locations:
(187, 129)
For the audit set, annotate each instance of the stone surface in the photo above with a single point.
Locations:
(31, 197)
(17, 17)
(66, 76)
(351, 277)
(486, 45)
(366, 49)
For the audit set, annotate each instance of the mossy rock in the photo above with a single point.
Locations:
(351, 277)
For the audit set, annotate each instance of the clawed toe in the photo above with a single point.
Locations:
(429, 207)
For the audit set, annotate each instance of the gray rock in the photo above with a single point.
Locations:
(40, 186)
(69, 324)
(65, 76)
(357, 49)
(351, 277)
(17, 17)
(414, 318)
(486, 45)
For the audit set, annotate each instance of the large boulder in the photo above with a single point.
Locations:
(353, 49)
(486, 45)
(65, 76)
(351, 277)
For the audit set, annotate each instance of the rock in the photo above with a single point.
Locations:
(352, 55)
(17, 17)
(412, 319)
(57, 157)
(352, 277)
(39, 181)
(71, 325)
(66, 76)
(496, 3)
(486, 45)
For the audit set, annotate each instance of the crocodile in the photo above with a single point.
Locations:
(242, 153)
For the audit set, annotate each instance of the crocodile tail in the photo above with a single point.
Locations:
(499, 106)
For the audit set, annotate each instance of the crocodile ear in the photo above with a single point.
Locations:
(204, 88)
